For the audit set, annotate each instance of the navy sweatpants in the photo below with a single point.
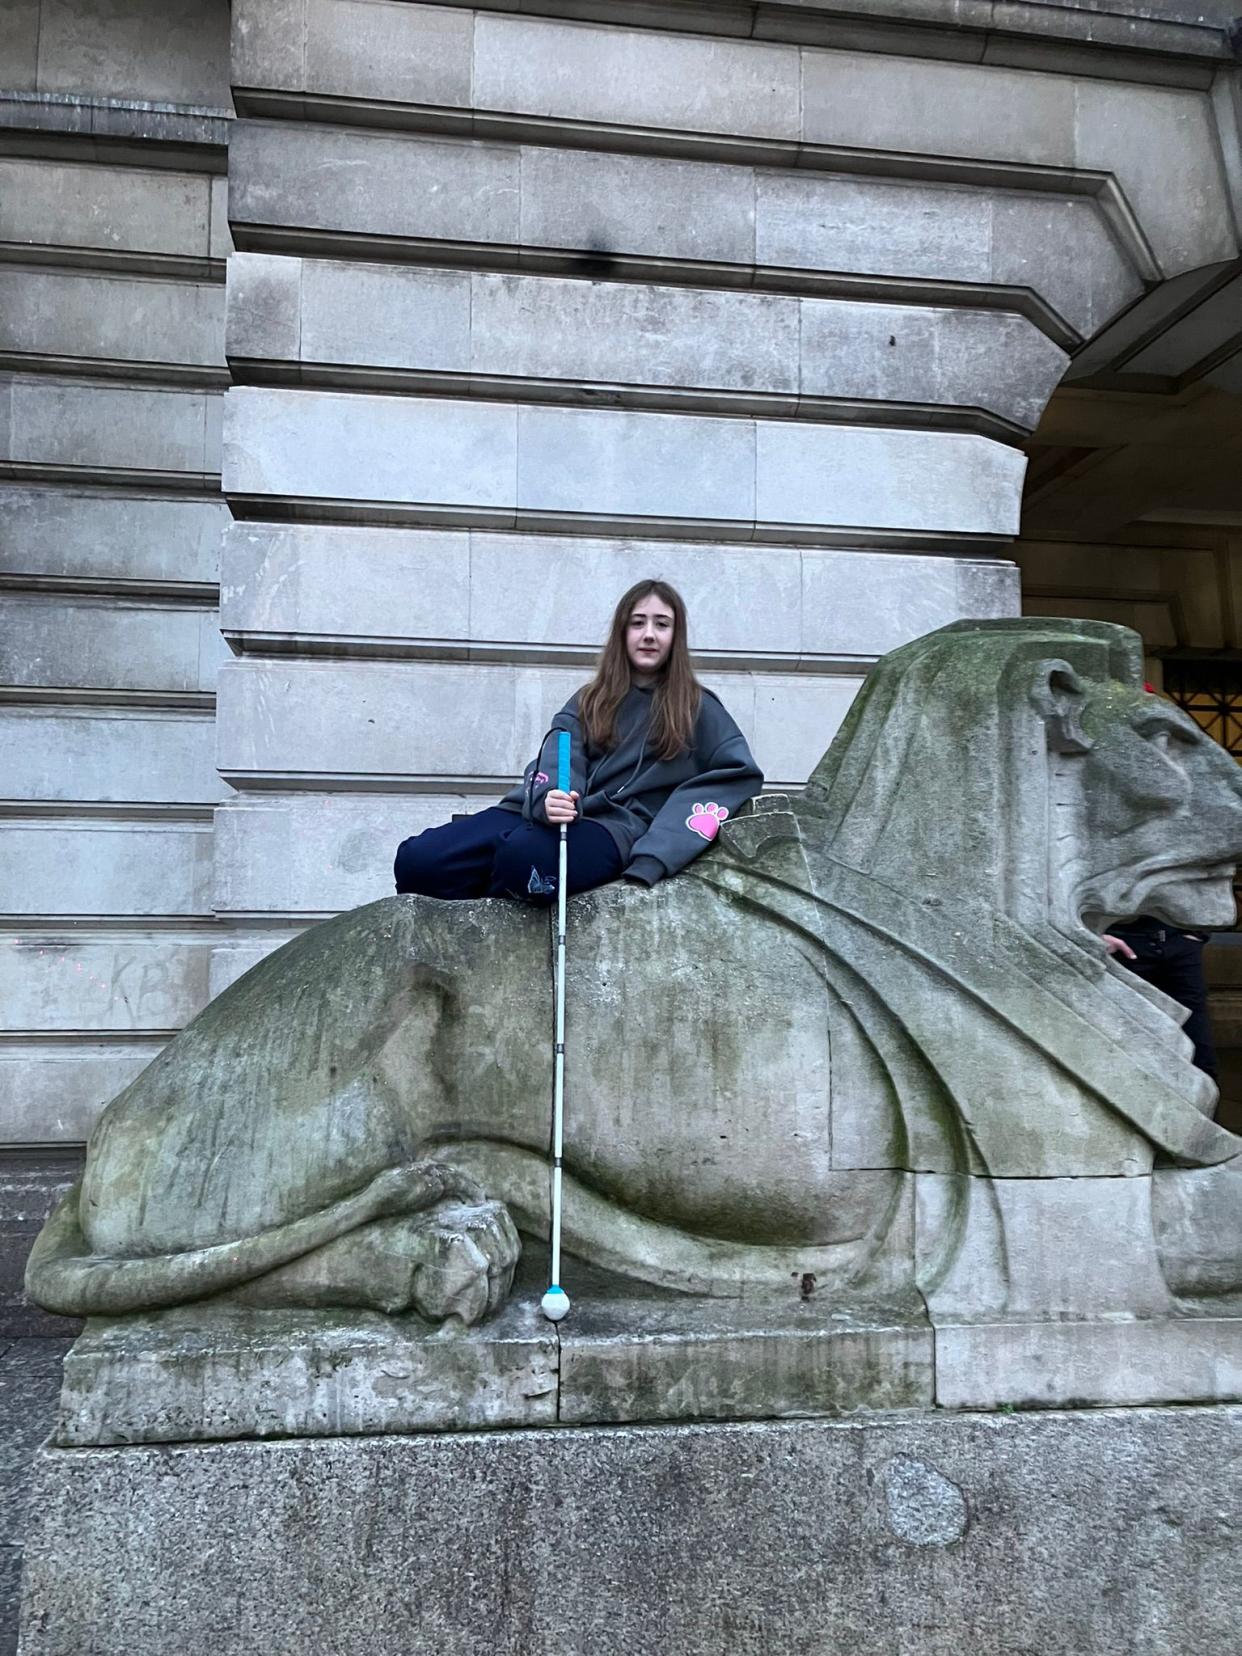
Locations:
(1172, 960)
(497, 854)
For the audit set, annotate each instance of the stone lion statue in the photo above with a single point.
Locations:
(871, 1035)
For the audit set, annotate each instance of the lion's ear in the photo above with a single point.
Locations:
(1059, 696)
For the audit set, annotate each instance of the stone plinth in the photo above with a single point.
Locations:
(1110, 1531)
(236, 1373)
(1039, 1365)
(194, 1374)
(188, 1375)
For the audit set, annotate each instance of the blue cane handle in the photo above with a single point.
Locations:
(562, 760)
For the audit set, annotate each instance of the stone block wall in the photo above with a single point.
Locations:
(526, 307)
(113, 240)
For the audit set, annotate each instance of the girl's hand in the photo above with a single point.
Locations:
(560, 807)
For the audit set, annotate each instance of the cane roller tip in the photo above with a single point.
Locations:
(555, 1304)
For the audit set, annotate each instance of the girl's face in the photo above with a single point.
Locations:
(649, 634)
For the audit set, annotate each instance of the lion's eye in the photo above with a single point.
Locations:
(1165, 734)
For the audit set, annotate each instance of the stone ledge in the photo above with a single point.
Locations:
(915, 1535)
(52, 112)
(234, 1373)
(1157, 43)
(1041, 1365)
(224, 1372)
(627, 1359)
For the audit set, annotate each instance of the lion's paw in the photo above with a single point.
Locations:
(468, 1253)
(455, 1259)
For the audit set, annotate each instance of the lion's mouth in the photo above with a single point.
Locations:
(1121, 895)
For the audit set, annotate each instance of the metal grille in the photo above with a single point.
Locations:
(1211, 692)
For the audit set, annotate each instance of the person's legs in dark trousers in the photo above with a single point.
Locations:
(496, 854)
(1172, 961)
(527, 861)
(1183, 978)
(453, 861)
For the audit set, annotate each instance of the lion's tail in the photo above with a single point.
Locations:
(630, 1244)
(63, 1276)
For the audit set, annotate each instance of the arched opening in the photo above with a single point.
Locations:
(1133, 513)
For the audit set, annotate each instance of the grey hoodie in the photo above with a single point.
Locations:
(660, 812)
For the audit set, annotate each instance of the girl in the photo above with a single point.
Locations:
(657, 766)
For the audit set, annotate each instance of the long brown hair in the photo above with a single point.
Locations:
(675, 704)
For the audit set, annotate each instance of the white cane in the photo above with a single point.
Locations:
(555, 1303)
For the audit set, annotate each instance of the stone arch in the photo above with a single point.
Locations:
(1133, 514)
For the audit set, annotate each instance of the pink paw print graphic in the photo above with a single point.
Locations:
(541, 777)
(705, 820)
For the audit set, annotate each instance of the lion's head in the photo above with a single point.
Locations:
(1163, 812)
(1020, 766)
